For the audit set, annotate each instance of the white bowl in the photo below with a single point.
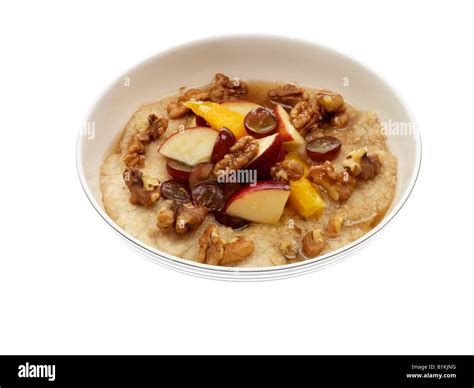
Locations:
(253, 57)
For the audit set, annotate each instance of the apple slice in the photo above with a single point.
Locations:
(196, 121)
(292, 139)
(263, 203)
(178, 170)
(240, 106)
(191, 146)
(270, 151)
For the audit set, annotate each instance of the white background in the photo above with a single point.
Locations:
(68, 285)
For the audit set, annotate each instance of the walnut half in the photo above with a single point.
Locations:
(182, 216)
(144, 190)
(359, 164)
(339, 185)
(214, 250)
(240, 155)
(313, 243)
(287, 170)
(288, 95)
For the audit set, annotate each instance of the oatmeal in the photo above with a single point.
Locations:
(263, 174)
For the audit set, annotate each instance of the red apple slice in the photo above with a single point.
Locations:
(178, 170)
(240, 106)
(263, 203)
(292, 139)
(191, 146)
(270, 151)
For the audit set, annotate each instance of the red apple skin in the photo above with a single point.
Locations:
(285, 135)
(178, 170)
(186, 129)
(225, 139)
(268, 159)
(261, 185)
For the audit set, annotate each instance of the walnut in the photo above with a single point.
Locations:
(211, 246)
(135, 155)
(339, 185)
(222, 89)
(214, 250)
(166, 216)
(289, 248)
(305, 116)
(241, 153)
(237, 250)
(333, 108)
(330, 102)
(359, 164)
(157, 126)
(313, 243)
(189, 216)
(334, 226)
(181, 216)
(287, 170)
(141, 195)
(288, 95)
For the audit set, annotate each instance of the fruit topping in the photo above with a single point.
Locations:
(323, 148)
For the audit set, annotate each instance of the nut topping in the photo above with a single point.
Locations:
(333, 108)
(289, 248)
(183, 216)
(141, 195)
(305, 116)
(240, 155)
(339, 185)
(215, 251)
(313, 243)
(287, 170)
(135, 155)
(222, 89)
(359, 164)
(237, 250)
(288, 95)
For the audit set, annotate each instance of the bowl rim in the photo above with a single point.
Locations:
(317, 262)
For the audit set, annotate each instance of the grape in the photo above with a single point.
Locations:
(210, 195)
(323, 148)
(178, 170)
(225, 140)
(201, 173)
(260, 122)
(176, 190)
(228, 220)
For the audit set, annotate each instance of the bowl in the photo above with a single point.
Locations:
(253, 57)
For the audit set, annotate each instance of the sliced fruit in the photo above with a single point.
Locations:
(304, 197)
(224, 141)
(196, 121)
(263, 203)
(241, 106)
(191, 146)
(176, 190)
(260, 122)
(323, 148)
(292, 140)
(210, 195)
(218, 116)
(270, 151)
(202, 172)
(228, 220)
(178, 170)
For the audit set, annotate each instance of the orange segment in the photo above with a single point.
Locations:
(304, 197)
(218, 116)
